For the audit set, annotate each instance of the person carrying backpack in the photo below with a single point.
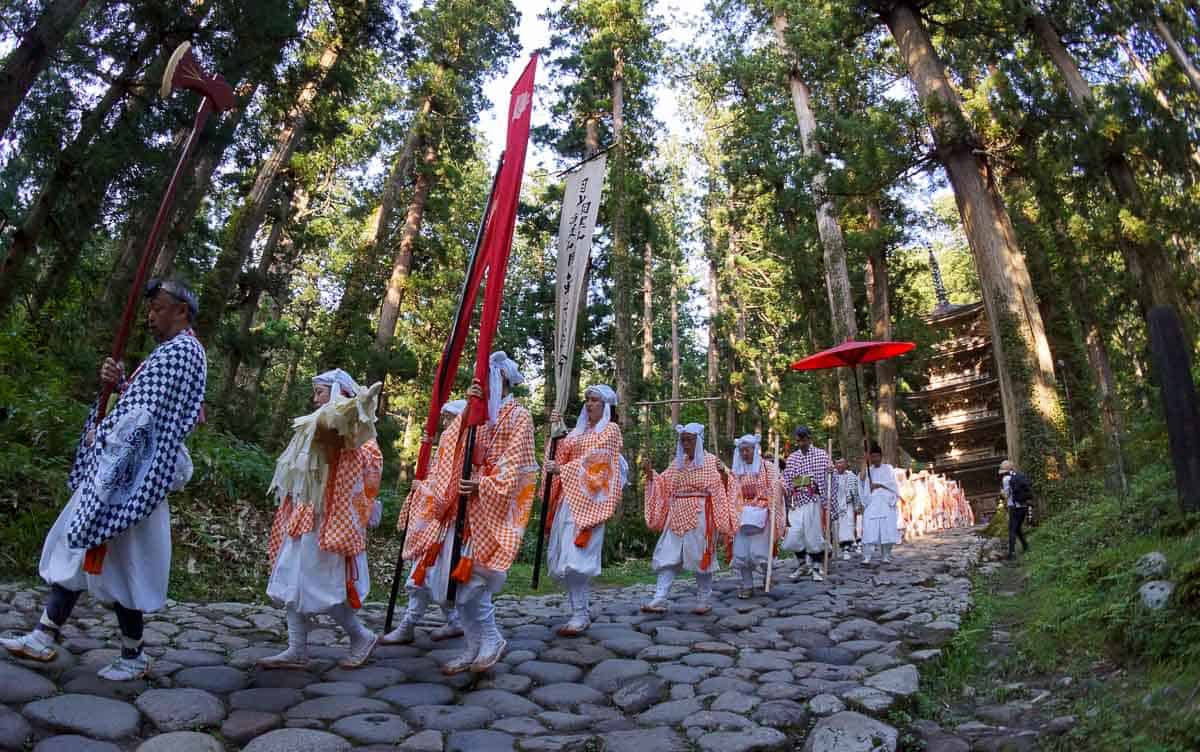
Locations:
(1018, 495)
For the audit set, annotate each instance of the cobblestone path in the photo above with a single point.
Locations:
(810, 666)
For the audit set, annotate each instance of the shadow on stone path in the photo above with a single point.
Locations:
(808, 665)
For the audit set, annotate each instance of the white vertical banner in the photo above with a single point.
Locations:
(581, 207)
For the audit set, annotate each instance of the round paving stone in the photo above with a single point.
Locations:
(219, 680)
(372, 728)
(609, 675)
(194, 657)
(711, 660)
(87, 715)
(73, 743)
(19, 685)
(564, 696)
(297, 740)
(286, 678)
(781, 714)
(480, 741)
(637, 694)
(371, 677)
(336, 688)
(677, 673)
(670, 713)
(405, 696)
(181, 709)
(88, 683)
(333, 708)
(851, 732)
(549, 673)
(503, 704)
(645, 740)
(836, 656)
(181, 741)
(825, 705)
(735, 702)
(268, 699)
(450, 717)
(14, 729)
(243, 725)
(717, 720)
(519, 726)
(751, 740)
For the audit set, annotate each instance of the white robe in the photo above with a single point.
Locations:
(880, 515)
(804, 530)
(564, 557)
(675, 551)
(846, 521)
(137, 564)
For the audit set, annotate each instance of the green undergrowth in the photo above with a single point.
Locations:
(1072, 607)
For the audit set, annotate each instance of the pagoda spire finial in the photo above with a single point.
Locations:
(939, 287)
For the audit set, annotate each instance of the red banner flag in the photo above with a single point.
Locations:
(491, 256)
(497, 241)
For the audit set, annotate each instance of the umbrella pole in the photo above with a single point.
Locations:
(862, 417)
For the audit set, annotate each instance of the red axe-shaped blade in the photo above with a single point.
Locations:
(184, 72)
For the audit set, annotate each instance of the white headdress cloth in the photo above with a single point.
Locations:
(339, 380)
(740, 467)
(455, 407)
(609, 397)
(500, 367)
(697, 429)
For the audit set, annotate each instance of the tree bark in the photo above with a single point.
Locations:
(402, 265)
(248, 219)
(881, 327)
(64, 176)
(1178, 54)
(647, 312)
(833, 244)
(714, 313)
(675, 406)
(33, 53)
(622, 279)
(1154, 281)
(1025, 367)
(379, 230)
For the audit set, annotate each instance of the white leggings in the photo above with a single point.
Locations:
(667, 575)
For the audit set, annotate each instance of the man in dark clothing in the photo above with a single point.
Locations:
(1018, 494)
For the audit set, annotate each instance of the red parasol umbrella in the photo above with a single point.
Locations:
(850, 354)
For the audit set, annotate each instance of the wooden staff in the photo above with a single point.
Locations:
(545, 513)
(774, 502)
(827, 515)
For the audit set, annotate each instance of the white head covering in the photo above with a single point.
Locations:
(608, 396)
(739, 467)
(500, 366)
(454, 407)
(698, 455)
(338, 381)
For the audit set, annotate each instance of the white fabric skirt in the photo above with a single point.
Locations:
(879, 525)
(804, 530)
(845, 525)
(437, 577)
(563, 556)
(751, 547)
(675, 551)
(313, 581)
(137, 566)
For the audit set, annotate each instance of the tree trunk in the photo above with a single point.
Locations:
(402, 265)
(378, 233)
(1178, 54)
(34, 52)
(248, 219)
(675, 407)
(647, 313)
(714, 313)
(621, 277)
(881, 328)
(1025, 367)
(833, 244)
(279, 420)
(1154, 281)
(1148, 77)
(66, 168)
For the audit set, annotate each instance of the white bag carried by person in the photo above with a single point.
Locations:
(793, 539)
(754, 520)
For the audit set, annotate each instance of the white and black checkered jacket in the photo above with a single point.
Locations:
(126, 472)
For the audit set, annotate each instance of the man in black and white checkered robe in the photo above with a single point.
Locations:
(113, 538)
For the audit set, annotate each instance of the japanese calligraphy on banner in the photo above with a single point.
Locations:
(581, 206)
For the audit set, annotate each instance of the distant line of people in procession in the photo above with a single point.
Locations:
(113, 537)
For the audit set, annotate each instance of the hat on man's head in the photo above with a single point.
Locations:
(1006, 467)
(803, 431)
(175, 289)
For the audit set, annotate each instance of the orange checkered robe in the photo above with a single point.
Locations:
(505, 467)
(758, 490)
(350, 493)
(589, 476)
(675, 497)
